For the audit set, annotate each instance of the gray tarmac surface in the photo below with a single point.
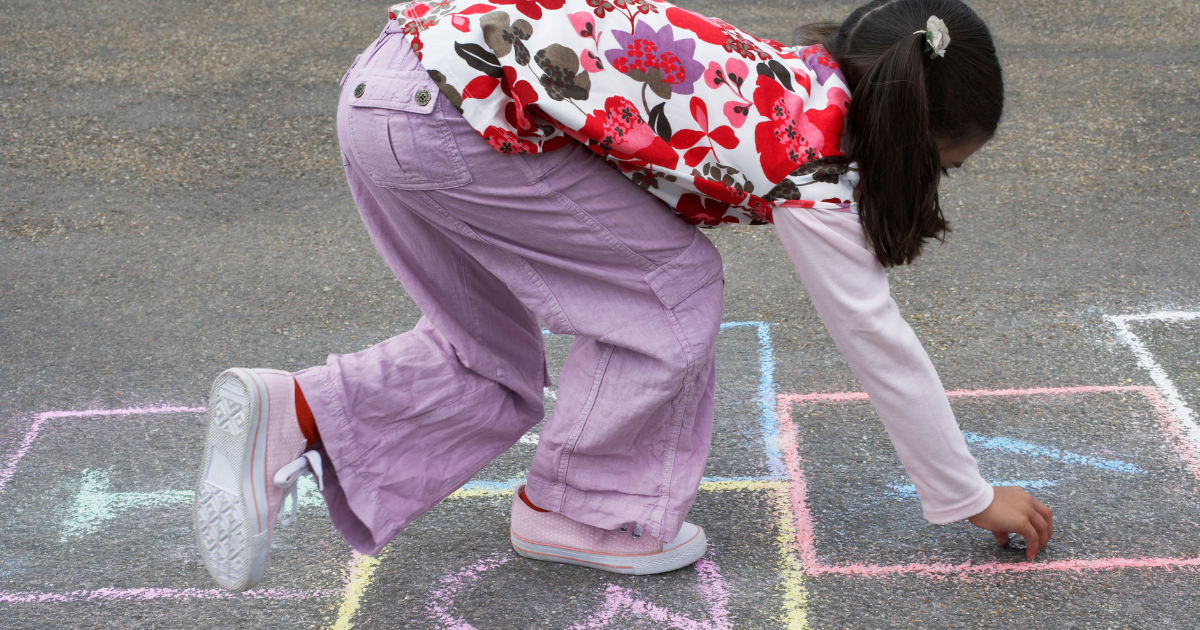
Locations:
(172, 204)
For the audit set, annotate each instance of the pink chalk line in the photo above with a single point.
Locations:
(118, 594)
(10, 466)
(806, 540)
(618, 600)
(115, 594)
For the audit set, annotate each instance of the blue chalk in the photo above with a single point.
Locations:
(910, 491)
(493, 486)
(729, 479)
(1036, 450)
(766, 395)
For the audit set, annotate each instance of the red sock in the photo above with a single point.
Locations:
(530, 503)
(304, 416)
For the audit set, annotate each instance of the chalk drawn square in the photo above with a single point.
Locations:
(94, 504)
(454, 568)
(1113, 462)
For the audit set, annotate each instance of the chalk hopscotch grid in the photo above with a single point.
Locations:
(806, 546)
(786, 484)
(793, 613)
(361, 569)
(1146, 361)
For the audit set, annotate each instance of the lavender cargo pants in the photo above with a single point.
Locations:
(487, 244)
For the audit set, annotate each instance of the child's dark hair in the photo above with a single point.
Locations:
(903, 104)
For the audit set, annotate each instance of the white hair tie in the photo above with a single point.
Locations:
(937, 36)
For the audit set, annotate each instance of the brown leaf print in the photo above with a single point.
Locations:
(562, 79)
(502, 37)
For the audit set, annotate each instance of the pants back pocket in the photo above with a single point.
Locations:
(398, 132)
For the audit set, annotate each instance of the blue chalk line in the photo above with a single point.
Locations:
(766, 396)
(1036, 450)
(910, 491)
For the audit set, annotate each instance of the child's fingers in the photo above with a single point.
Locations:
(1014, 510)
(1046, 514)
(1033, 540)
(1041, 530)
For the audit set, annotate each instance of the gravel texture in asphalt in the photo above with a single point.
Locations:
(173, 204)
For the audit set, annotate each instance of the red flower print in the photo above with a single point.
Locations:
(416, 10)
(523, 95)
(719, 191)
(481, 86)
(463, 23)
(685, 138)
(699, 210)
(698, 24)
(716, 32)
(838, 98)
(792, 136)
(772, 43)
(620, 130)
(533, 8)
(760, 210)
(504, 141)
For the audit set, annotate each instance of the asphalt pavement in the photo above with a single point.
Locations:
(172, 204)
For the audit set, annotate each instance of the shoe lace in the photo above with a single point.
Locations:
(287, 477)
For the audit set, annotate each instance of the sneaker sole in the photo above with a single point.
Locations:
(677, 557)
(230, 510)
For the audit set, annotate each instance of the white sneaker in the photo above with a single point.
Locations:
(253, 454)
(556, 538)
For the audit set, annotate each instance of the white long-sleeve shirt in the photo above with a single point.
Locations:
(849, 289)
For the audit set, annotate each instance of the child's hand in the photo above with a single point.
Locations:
(1015, 511)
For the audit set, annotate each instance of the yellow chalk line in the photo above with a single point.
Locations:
(361, 569)
(464, 493)
(795, 596)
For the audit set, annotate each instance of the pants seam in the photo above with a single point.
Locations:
(681, 404)
(577, 430)
(473, 313)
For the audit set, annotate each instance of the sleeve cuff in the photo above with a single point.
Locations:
(966, 509)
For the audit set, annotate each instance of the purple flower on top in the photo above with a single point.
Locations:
(657, 59)
(822, 63)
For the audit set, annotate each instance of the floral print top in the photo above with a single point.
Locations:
(719, 124)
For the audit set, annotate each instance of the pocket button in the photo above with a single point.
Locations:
(358, 91)
(423, 97)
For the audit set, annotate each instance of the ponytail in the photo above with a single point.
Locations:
(897, 157)
(903, 103)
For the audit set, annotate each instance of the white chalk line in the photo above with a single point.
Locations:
(1146, 361)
